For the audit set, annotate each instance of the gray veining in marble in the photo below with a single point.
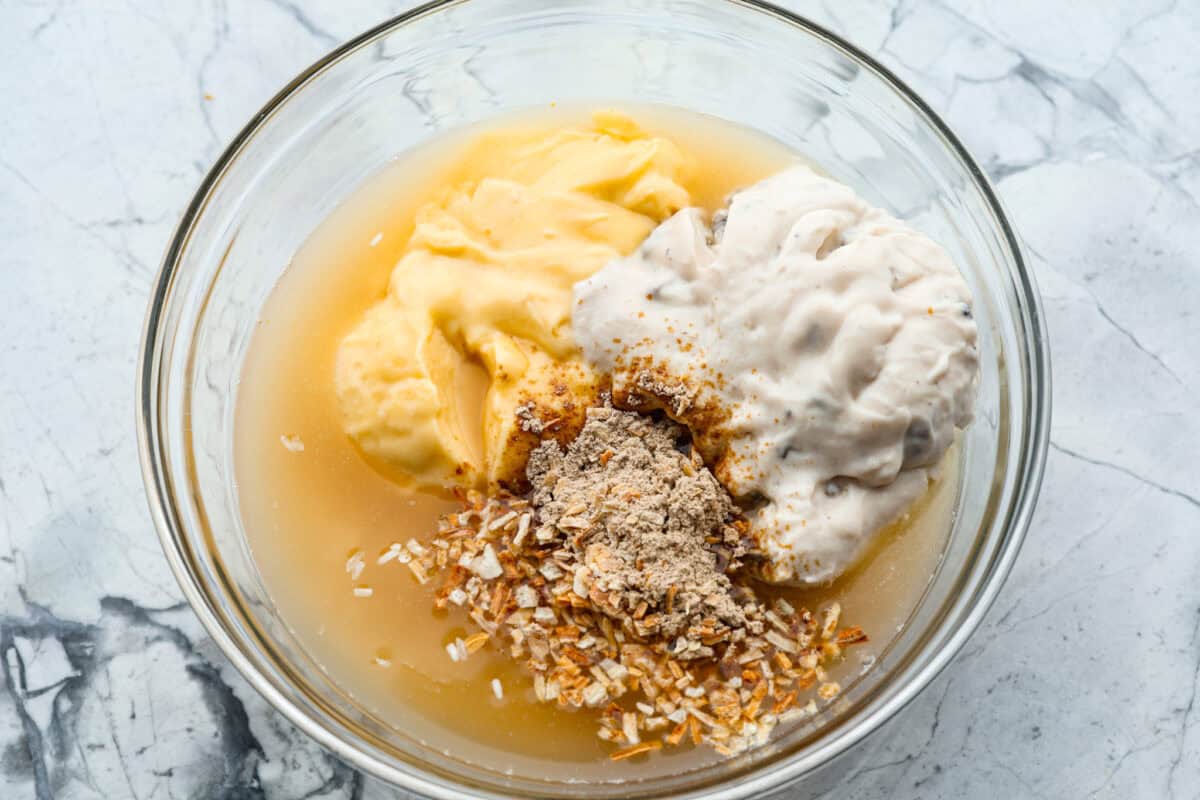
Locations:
(1081, 682)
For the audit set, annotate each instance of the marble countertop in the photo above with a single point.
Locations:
(1082, 680)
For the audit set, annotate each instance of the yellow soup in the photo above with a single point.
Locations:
(485, 278)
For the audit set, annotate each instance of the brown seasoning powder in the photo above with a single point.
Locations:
(651, 525)
(615, 582)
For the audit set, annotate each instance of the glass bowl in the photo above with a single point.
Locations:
(458, 62)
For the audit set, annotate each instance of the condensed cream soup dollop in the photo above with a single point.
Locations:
(487, 277)
(822, 352)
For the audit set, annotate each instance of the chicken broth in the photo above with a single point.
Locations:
(319, 516)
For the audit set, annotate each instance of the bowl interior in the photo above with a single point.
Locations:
(459, 63)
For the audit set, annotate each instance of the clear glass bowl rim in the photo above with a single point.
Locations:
(1029, 465)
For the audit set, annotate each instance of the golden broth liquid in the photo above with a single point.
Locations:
(307, 512)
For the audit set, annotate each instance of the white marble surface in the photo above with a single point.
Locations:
(1082, 681)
